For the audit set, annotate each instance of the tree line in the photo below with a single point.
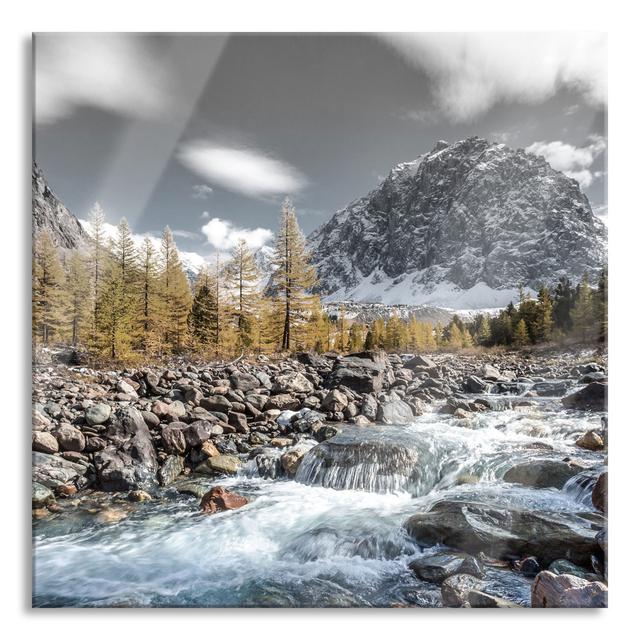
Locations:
(125, 302)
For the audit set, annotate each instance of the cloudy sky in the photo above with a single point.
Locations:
(208, 133)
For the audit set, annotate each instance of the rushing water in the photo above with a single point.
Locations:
(332, 537)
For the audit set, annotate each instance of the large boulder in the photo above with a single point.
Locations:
(364, 372)
(590, 440)
(41, 495)
(55, 471)
(503, 532)
(173, 438)
(216, 403)
(543, 473)
(334, 401)
(593, 397)
(129, 461)
(394, 410)
(437, 568)
(244, 381)
(473, 384)
(291, 382)
(566, 591)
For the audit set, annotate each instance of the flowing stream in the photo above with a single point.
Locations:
(331, 537)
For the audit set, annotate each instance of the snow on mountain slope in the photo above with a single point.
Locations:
(461, 227)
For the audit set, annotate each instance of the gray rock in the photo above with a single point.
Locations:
(226, 465)
(244, 381)
(293, 382)
(172, 467)
(70, 439)
(593, 397)
(97, 414)
(44, 442)
(335, 400)
(543, 473)
(394, 411)
(455, 589)
(436, 568)
(565, 591)
(41, 495)
(54, 471)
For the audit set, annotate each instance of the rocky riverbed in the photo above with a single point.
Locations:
(365, 480)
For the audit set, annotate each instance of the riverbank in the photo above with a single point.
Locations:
(421, 452)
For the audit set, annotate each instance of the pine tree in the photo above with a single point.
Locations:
(602, 305)
(48, 297)
(175, 294)
(582, 315)
(293, 276)
(243, 278)
(543, 321)
(97, 241)
(521, 335)
(78, 305)
(149, 303)
(202, 316)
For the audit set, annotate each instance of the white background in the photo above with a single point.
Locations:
(18, 21)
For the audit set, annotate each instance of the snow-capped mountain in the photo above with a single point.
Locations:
(50, 214)
(460, 227)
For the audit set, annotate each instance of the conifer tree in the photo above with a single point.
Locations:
(521, 335)
(175, 294)
(149, 307)
(543, 320)
(293, 276)
(78, 304)
(582, 314)
(243, 279)
(483, 336)
(202, 316)
(97, 242)
(48, 289)
(602, 305)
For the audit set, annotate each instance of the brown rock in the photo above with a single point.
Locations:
(591, 441)
(599, 493)
(209, 449)
(44, 442)
(566, 591)
(219, 499)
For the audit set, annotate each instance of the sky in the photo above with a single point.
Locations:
(207, 133)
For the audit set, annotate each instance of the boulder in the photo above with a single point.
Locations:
(283, 401)
(503, 532)
(216, 403)
(593, 397)
(129, 461)
(196, 433)
(291, 459)
(550, 388)
(244, 381)
(550, 590)
(481, 600)
(173, 438)
(363, 372)
(292, 382)
(543, 473)
(473, 384)
(335, 400)
(70, 439)
(393, 410)
(591, 440)
(489, 372)
(226, 465)
(97, 414)
(171, 468)
(219, 499)
(420, 361)
(44, 442)
(599, 493)
(238, 421)
(436, 568)
(455, 589)
(54, 471)
(41, 495)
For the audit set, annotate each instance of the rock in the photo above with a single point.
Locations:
(125, 387)
(420, 361)
(543, 473)
(502, 532)
(564, 566)
(138, 496)
(473, 384)
(216, 403)
(599, 493)
(528, 566)
(193, 395)
(54, 471)
(291, 459)
(335, 400)
(281, 442)
(209, 449)
(591, 440)
(171, 468)
(129, 461)
(94, 444)
(293, 382)
(308, 420)
(481, 600)
(70, 439)
(44, 442)
(369, 407)
(283, 401)
(191, 488)
(489, 372)
(238, 421)
(97, 414)
(40, 495)
(219, 465)
(550, 388)
(455, 589)
(244, 381)
(151, 419)
(436, 568)
(565, 591)
(394, 411)
(313, 360)
(363, 372)
(197, 433)
(593, 397)
(219, 499)
(66, 490)
(173, 438)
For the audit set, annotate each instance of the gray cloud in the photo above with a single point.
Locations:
(201, 191)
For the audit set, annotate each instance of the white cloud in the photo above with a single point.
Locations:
(201, 191)
(181, 233)
(247, 171)
(574, 161)
(224, 235)
(472, 72)
(114, 72)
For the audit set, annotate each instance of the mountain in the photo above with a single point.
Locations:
(460, 227)
(50, 214)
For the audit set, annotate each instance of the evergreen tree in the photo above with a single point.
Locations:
(243, 278)
(582, 314)
(78, 305)
(202, 316)
(602, 305)
(175, 294)
(520, 334)
(563, 301)
(483, 336)
(293, 276)
(543, 321)
(48, 294)
(149, 292)
(97, 242)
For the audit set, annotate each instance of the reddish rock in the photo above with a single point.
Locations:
(219, 499)
(559, 591)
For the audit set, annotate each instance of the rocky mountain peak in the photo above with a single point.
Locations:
(471, 216)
